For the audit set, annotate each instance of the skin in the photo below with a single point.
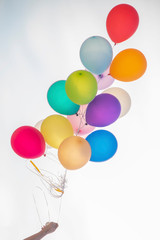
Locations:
(48, 228)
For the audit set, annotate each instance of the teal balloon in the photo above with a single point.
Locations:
(59, 101)
(103, 145)
(96, 54)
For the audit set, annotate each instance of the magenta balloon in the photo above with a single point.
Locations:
(104, 80)
(28, 142)
(78, 121)
(103, 110)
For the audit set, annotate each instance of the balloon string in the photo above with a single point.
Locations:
(52, 185)
(37, 207)
(84, 113)
(62, 186)
(57, 187)
(81, 112)
(79, 128)
(82, 117)
(35, 167)
(60, 206)
(52, 157)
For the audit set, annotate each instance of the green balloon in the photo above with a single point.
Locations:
(59, 101)
(81, 87)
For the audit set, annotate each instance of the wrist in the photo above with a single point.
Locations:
(42, 233)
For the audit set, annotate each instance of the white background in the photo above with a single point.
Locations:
(117, 199)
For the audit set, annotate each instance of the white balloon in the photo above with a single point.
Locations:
(38, 127)
(122, 96)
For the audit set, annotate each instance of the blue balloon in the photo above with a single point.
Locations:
(103, 145)
(96, 54)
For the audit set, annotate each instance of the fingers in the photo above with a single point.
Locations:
(49, 227)
(56, 225)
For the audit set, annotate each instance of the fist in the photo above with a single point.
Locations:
(49, 227)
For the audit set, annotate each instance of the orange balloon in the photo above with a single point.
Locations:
(74, 152)
(128, 65)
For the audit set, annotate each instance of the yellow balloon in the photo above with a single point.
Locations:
(74, 152)
(122, 96)
(128, 65)
(38, 126)
(55, 129)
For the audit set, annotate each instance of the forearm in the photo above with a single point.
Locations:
(36, 236)
(48, 228)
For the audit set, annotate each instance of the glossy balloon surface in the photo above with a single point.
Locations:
(103, 145)
(55, 129)
(128, 65)
(58, 99)
(74, 152)
(103, 110)
(122, 22)
(81, 87)
(123, 97)
(96, 54)
(28, 142)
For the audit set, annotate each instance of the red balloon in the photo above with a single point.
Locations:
(28, 142)
(122, 21)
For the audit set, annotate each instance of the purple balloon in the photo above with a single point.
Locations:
(103, 110)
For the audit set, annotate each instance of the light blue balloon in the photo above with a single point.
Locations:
(103, 145)
(96, 54)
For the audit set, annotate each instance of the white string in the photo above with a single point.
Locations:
(81, 115)
(52, 185)
(60, 205)
(37, 207)
(58, 187)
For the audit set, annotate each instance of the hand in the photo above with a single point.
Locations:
(49, 227)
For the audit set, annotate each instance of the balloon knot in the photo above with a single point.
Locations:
(100, 75)
(76, 114)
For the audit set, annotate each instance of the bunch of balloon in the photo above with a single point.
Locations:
(130, 64)
(70, 97)
(84, 109)
(79, 109)
(80, 90)
(95, 111)
(76, 98)
(96, 55)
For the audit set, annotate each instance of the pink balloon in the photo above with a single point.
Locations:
(28, 142)
(78, 121)
(104, 80)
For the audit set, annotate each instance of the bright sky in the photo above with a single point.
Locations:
(117, 199)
